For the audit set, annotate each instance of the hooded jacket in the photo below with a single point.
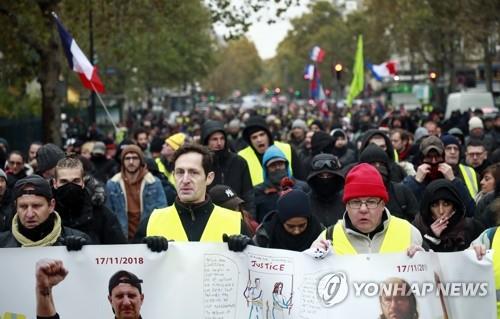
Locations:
(397, 172)
(326, 194)
(402, 203)
(461, 230)
(266, 194)
(230, 169)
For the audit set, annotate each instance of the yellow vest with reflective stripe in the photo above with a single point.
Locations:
(495, 245)
(164, 171)
(255, 166)
(397, 238)
(470, 179)
(167, 223)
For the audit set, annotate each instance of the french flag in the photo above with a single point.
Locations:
(317, 54)
(383, 70)
(309, 72)
(77, 60)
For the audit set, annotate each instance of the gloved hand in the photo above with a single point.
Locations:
(74, 243)
(237, 242)
(156, 243)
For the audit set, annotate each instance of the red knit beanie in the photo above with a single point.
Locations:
(364, 180)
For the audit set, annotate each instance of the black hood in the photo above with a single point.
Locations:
(210, 127)
(441, 189)
(370, 133)
(253, 124)
(321, 142)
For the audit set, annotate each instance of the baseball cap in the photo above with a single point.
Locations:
(223, 195)
(38, 186)
(99, 148)
(274, 160)
(124, 277)
(431, 143)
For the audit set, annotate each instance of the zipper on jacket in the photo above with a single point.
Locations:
(192, 214)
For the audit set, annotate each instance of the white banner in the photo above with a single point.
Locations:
(194, 280)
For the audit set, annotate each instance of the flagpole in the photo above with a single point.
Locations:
(104, 106)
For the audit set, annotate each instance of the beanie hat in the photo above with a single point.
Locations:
(156, 145)
(450, 140)
(298, 123)
(475, 122)
(254, 124)
(47, 157)
(420, 133)
(132, 148)
(234, 123)
(321, 142)
(176, 141)
(318, 123)
(3, 175)
(372, 153)
(363, 180)
(294, 203)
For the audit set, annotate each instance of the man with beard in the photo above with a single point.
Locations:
(74, 205)
(141, 138)
(326, 184)
(276, 177)
(133, 193)
(259, 138)
(230, 169)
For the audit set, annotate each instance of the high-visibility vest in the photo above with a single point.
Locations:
(495, 245)
(255, 166)
(397, 238)
(470, 178)
(164, 171)
(167, 223)
(396, 156)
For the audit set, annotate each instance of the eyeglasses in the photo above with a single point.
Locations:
(370, 203)
(329, 163)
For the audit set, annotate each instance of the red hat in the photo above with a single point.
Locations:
(364, 180)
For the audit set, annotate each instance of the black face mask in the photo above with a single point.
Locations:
(385, 174)
(276, 176)
(326, 187)
(69, 198)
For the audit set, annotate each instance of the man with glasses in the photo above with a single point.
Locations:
(452, 157)
(193, 216)
(134, 192)
(367, 225)
(476, 156)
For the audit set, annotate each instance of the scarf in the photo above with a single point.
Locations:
(281, 239)
(48, 240)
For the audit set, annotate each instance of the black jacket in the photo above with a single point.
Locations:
(230, 168)
(402, 203)
(7, 240)
(97, 221)
(461, 230)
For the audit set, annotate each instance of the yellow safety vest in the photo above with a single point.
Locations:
(397, 238)
(167, 223)
(470, 178)
(255, 166)
(495, 245)
(164, 171)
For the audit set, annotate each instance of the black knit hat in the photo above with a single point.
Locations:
(321, 142)
(325, 163)
(253, 124)
(124, 277)
(47, 157)
(372, 153)
(156, 144)
(294, 203)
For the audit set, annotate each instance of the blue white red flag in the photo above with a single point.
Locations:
(77, 60)
(380, 71)
(317, 54)
(309, 72)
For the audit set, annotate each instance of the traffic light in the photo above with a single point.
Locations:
(338, 71)
(433, 76)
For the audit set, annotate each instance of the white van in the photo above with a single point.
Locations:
(463, 101)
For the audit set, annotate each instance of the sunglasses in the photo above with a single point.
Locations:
(333, 164)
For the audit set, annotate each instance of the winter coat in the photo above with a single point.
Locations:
(461, 230)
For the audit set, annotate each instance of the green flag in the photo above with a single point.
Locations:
(358, 78)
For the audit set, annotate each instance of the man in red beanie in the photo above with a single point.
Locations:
(367, 225)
